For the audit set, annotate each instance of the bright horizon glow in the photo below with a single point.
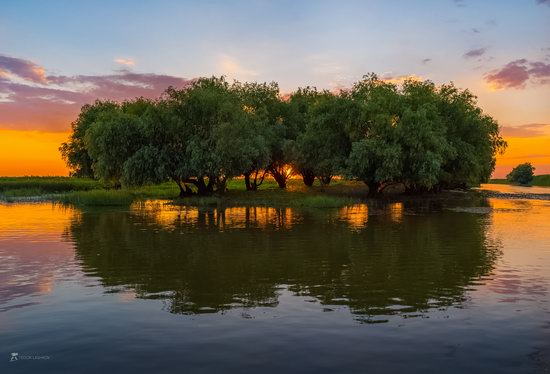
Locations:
(56, 56)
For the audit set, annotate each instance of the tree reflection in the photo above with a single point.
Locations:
(210, 260)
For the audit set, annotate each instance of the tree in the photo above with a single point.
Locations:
(375, 156)
(114, 137)
(259, 134)
(417, 134)
(297, 117)
(322, 148)
(473, 136)
(421, 135)
(198, 112)
(522, 174)
(74, 151)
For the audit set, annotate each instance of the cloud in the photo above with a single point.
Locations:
(233, 69)
(525, 131)
(125, 61)
(426, 60)
(20, 68)
(400, 79)
(517, 73)
(474, 53)
(543, 2)
(460, 3)
(50, 103)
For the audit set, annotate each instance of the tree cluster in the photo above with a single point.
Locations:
(424, 136)
(522, 174)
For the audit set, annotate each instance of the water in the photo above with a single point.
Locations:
(434, 285)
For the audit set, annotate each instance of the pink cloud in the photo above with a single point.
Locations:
(51, 103)
(517, 73)
(24, 69)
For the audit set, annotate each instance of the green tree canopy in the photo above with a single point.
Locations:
(423, 136)
(522, 174)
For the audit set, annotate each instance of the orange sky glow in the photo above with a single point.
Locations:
(47, 73)
(26, 153)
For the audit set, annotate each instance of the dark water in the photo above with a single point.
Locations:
(417, 286)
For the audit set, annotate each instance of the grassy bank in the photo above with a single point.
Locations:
(87, 192)
(538, 180)
(45, 185)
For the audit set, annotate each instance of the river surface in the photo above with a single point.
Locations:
(436, 285)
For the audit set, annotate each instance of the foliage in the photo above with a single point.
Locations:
(74, 151)
(322, 144)
(522, 174)
(417, 134)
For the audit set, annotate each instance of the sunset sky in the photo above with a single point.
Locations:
(56, 56)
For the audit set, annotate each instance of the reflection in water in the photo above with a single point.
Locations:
(356, 216)
(169, 216)
(210, 260)
(285, 280)
(525, 225)
(32, 252)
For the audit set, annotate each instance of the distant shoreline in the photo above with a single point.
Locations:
(538, 181)
(88, 192)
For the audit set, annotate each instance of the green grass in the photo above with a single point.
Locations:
(97, 198)
(538, 180)
(47, 185)
(86, 192)
(22, 192)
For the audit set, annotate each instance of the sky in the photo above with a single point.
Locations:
(56, 56)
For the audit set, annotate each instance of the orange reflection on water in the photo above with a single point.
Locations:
(356, 216)
(165, 214)
(396, 212)
(33, 251)
(260, 217)
(35, 222)
(171, 216)
(523, 228)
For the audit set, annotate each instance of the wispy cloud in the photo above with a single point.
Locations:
(475, 53)
(21, 68)
(31, 100)
(525, 131)
(232, 68)
(543, 2)
(517, 73)
(426, 60)
(125, 61)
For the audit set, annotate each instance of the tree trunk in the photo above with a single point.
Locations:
(280, 179)
(373, 189)
(280, 174)
(221, 185)
(252, 184)
(212, 181)
(308, 177)
(184, 189)
(247, 182)
(325, 180)
(201, 187)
